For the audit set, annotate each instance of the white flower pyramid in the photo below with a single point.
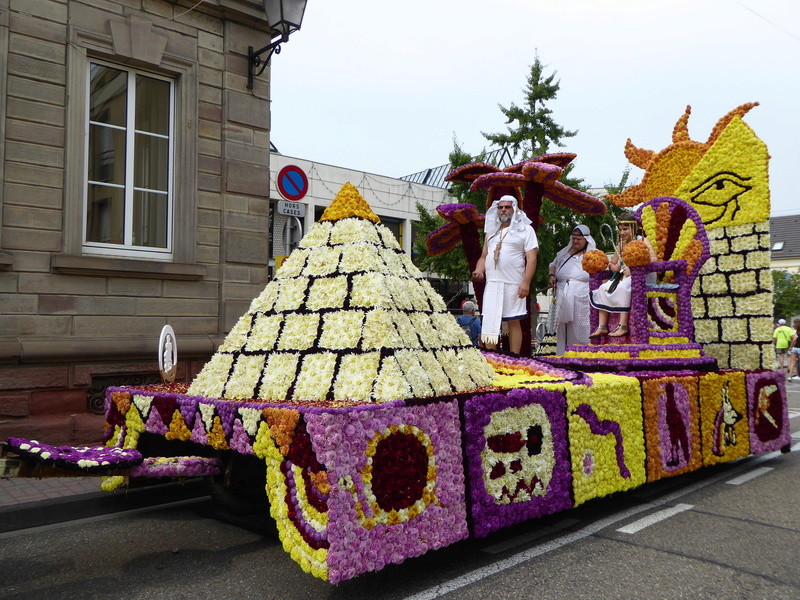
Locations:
(348, 318)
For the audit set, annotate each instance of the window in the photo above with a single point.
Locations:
(128, 206)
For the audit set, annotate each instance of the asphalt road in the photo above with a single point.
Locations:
(727, 532)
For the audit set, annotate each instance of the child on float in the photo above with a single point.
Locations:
(615, 294)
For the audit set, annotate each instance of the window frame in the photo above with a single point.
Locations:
(86, 46)
(129, 187)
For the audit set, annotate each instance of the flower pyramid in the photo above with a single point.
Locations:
(347, 319)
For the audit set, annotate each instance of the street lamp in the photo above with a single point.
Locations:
(283, 16)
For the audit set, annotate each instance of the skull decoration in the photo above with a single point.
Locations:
(519, 458)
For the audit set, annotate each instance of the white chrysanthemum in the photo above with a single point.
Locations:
(389, 240)
(390, 384)
(369, 290)
(392, 260)
(360, 257)
(317, 235)
(299, 331)
(322, 261)
(329, 292)
(357, 373)
(315, 376)
(434, 298)
(278, 376)
(237, 336)
(416, 375)
(266, 300)
(379, 331)
(207, 415)
(293, 265)
(479, 369)
(456, 370)
(211, 380)
(264, 333)
(449, 331)
(438, 378)
(426, 331)
(143, 403)
(397, 287)
(250, 417)
(419, 299)
(246, 373)
(341, 330)
(292, 293)
(406, 329)
(410, 268)
(347, 231)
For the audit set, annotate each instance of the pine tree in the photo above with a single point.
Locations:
(531, 128)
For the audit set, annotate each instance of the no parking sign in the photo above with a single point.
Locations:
(292, 182)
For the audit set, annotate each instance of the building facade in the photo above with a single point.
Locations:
(135, 193)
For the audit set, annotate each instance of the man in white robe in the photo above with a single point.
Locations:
(507, 264)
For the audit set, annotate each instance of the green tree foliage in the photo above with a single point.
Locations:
(785, 295)
(531, 127)
(453, 264)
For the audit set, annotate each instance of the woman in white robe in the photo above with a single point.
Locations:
(571, 284)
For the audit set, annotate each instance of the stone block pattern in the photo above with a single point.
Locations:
(732, 298)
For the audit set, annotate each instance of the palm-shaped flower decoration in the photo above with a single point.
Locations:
(532, 179)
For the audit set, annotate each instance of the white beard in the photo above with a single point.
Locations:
(504, 218)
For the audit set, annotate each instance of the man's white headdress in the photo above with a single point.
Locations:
(519, 220)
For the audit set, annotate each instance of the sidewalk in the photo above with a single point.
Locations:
(24, 490)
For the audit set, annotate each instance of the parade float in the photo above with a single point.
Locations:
(384, 434)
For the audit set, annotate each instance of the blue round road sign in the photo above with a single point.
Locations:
(292, 182)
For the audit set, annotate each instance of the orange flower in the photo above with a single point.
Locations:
(594, 261)
(636, 254)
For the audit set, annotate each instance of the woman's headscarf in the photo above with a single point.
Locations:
(519, 220)
(585, 232)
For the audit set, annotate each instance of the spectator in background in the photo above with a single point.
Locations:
(794, 352)
(782, 339)
(469, 321)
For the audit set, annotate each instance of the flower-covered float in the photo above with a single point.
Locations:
(385, 434)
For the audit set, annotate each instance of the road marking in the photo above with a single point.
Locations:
(748, 476)
(655, 518)
(437, 591)
(793, 414)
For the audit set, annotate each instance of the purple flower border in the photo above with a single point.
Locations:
(340, 441)
(69, 457)
(755, 381)
(486, 515)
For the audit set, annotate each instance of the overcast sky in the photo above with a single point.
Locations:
(385, 87)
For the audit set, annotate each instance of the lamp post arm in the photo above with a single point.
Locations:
(254, 60)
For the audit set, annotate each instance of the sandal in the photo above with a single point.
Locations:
(599, 331)
(620, 331)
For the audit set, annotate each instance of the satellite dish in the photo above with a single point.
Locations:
(167, 354)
